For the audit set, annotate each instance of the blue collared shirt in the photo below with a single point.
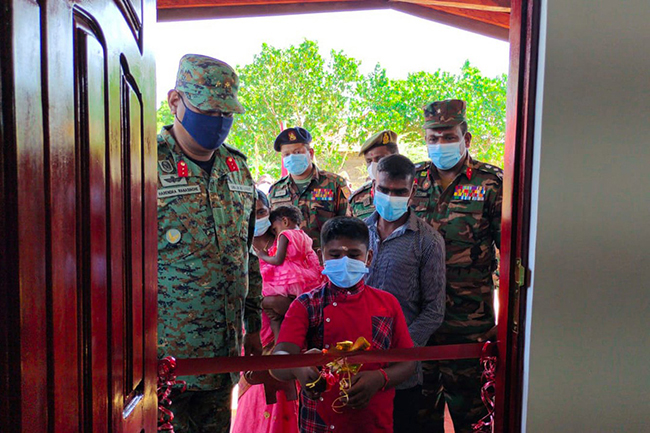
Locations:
(410, 264)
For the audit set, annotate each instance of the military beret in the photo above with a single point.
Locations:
(443, 114)
(209, 84)
(379, 139)
(292, 136)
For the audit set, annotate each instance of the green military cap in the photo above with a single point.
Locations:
(379, 139)
(209, 84)
(443, 114)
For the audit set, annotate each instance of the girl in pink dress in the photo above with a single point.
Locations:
(254, 415)
(290, 267)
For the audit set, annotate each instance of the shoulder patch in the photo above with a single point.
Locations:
(278, 182)
(424, 165)
(334, 176)
(234, 151)
(489, 168)
(364, 188)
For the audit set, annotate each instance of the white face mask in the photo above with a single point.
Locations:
(372, 170)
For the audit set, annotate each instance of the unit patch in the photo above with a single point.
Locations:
(166, 166)
(469, 192)
(172, 180)
(173, 236)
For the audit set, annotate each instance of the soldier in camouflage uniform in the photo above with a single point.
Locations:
(320, 195)
(381, 144)
(206, 204)
(461, 198)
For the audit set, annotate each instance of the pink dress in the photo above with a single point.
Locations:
(300, 272)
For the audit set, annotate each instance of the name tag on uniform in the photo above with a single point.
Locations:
(240, 188)
(167, 180)
(180, 190)
(469, 192)
(322, 194)
(280, 193)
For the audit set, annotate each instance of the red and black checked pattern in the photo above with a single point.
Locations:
(382, 330)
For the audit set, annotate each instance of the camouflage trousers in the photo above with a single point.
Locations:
(202, 411)
(458, 383)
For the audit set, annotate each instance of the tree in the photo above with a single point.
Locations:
(341, 107)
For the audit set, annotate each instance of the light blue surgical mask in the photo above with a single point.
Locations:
(262, 225)
(296, 163)
(445, 156)
(345, 272)
(209, 131)
(390, 208)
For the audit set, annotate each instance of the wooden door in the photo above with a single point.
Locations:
(515, 224)
(78, 191)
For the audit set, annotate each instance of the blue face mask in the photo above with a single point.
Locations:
(390, 208)
(445, 156)
(345, 272)
(209, 131)
(262, 225)
(296, 163)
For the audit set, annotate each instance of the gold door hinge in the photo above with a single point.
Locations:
(520, 274)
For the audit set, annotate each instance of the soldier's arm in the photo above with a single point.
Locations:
(343, 207)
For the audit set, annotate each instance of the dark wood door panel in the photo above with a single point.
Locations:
(78, 187)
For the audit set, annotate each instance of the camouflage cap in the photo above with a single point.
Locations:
(443, 114)
(379, 139)
(208, 83)
(292, 136)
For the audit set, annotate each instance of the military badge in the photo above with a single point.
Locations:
(292, 136)
(183, 170)
(173, 236)
(322, 194)
(385, 139)
(232, 164)
(469, 192)
(469, 172)
(166, 166)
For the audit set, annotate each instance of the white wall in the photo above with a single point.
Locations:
(589, 348)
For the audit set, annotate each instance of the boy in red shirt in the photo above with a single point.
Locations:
(345, 309)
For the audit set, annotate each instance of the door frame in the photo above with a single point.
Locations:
(514, 277)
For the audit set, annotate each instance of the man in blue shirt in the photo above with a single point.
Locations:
(409, 262)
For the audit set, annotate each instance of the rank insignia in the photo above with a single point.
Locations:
(173, 236)
(469, 173)
(292, 136)
(322, 194)
(183, 170)
(232, 164)
(385, 139)
(469, 192)
(166, 166)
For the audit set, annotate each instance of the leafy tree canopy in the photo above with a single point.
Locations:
(341, 107)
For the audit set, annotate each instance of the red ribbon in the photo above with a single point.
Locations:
(228, 364)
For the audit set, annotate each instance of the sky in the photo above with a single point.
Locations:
(401, 43)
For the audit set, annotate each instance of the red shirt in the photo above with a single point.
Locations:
(323, 317)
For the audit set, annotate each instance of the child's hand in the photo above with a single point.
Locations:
(365, 384)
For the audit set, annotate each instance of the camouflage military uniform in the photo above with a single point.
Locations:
(361, 201)
(325, 197)
(468, 215)
(204, 236)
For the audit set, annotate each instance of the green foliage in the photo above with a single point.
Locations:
(297, 86)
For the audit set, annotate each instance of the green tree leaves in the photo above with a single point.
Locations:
(341, 107)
